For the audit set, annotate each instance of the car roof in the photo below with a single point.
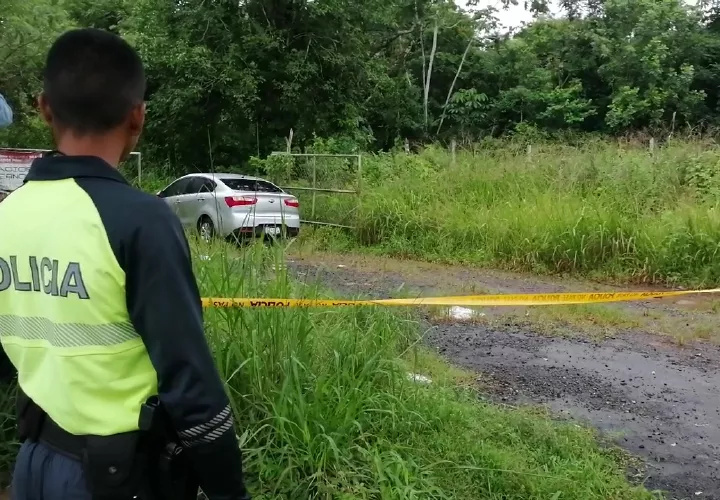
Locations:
(220, 176)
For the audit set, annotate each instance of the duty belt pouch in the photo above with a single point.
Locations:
(172, 477)
(113, 466)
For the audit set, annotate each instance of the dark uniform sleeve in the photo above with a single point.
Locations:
(165, 308)
(7, 369)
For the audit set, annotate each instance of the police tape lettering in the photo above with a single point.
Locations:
(42, 274)
(269, 303)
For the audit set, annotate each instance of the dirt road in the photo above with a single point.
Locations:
(639, 372)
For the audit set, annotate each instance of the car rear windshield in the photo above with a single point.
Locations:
(251, 185)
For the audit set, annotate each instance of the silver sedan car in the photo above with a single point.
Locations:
(232, 205)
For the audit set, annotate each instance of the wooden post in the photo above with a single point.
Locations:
(529, 152)
(453, 146)
(257, 137)
(288, 142)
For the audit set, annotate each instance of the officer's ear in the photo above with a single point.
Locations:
(137, 120)
(44, 108)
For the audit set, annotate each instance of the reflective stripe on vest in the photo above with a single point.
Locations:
(63, 317)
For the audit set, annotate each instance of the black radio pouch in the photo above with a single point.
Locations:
(114, 466)
(170, 476)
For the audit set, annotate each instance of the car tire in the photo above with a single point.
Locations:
(206, 228)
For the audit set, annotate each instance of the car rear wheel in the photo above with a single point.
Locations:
(206, 228)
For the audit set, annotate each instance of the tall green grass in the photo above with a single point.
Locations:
(600, 208)
(595, 208)
(326, 409)
(9, 445)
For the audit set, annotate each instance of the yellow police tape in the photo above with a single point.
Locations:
(533, 299)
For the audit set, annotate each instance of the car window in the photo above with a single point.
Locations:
(253, 185)
(208, 186)
(194, 186)
(200, 185)
(176, 188)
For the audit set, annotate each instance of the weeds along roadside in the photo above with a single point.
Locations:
(599, 210)
(326, 408)
(596, 209)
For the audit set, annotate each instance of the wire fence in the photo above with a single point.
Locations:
(328, 185)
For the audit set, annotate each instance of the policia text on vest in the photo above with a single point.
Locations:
(100, 314)
(43, 274)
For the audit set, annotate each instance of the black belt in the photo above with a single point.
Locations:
(34, 424)
(116, 466)
(61, 441)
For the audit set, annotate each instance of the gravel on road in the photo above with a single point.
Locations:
(657, 399)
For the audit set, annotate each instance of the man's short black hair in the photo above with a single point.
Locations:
(92, 79)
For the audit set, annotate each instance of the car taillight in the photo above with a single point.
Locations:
(239, 201)
(292, 203)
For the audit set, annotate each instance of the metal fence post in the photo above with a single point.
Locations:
(359, 184)
(314, 185)
(139, 162)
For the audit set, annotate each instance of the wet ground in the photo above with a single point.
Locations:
(656, 395)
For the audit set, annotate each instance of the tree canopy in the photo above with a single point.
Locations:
(235, 77)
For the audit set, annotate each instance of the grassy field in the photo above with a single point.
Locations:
(598, 209)
(327, 409)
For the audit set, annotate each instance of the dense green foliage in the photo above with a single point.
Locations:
(325, 406)
(231, 79)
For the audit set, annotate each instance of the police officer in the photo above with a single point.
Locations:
(99, 308)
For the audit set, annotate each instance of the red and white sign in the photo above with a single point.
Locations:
(14, 166)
